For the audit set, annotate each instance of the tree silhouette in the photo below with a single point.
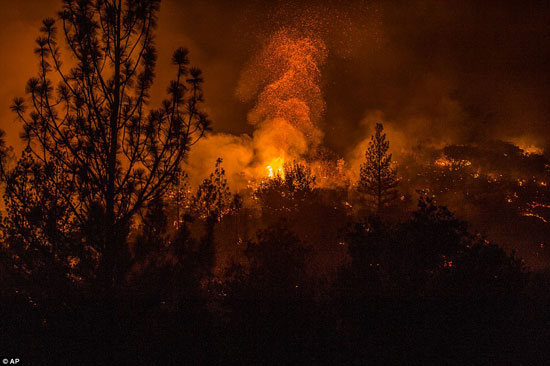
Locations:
(289, 191)
(40, 235)
(113, 153)
(378, 178)
(213, 199)
(211, 203)
(166, 260)
(276, 265)
(430, 253)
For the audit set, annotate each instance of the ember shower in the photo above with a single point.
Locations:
(427, 96)
(435, 74)
(287, 182)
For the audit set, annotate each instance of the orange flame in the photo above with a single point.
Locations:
(285, 80)
(275, 167)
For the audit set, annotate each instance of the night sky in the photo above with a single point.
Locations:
(453, 71)
(374, 188)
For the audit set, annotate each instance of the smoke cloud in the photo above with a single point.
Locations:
(436, 72)
(284, 81)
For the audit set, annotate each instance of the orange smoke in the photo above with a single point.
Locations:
(288, 68)
(284, 79)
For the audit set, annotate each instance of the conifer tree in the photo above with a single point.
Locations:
(378, 178)
(213, 199)
(288, 191)
(211, 203)
(112, 153)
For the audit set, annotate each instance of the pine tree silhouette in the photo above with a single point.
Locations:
(113, 153)
(378, 178)
(213, 199)
(283, 193)
(211, 203)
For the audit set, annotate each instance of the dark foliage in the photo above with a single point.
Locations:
(96, 153)
(109, 258)
(378, 177)
(288, 192)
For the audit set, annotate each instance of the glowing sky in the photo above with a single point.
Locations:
(440, 70)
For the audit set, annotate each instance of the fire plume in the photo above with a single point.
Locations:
(285, 80)
(275, 167)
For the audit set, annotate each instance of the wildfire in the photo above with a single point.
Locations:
(291, 64)
(528, 146)
(452, 164)
(532, 150)
(530, 211)
(537, 204)
(275, 167)
(285, 80)
(537, 216)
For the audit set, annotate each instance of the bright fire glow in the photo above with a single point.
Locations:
(452, 163)
(275, 167)
(532, 149)
(285, 79)
(528, 146)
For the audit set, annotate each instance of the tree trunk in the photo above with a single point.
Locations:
(111, 238)
(379, 179)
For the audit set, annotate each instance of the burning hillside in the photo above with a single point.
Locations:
(284, 79)
(335, 188)
(489, 183)
(501, 189)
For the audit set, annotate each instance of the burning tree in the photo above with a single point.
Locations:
(378, 178)
(213, 199)
(287, 192)
(211, 203)
(95, 151)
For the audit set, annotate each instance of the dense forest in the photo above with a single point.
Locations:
(110, 254)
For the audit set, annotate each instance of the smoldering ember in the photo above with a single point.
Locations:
(275, 182)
